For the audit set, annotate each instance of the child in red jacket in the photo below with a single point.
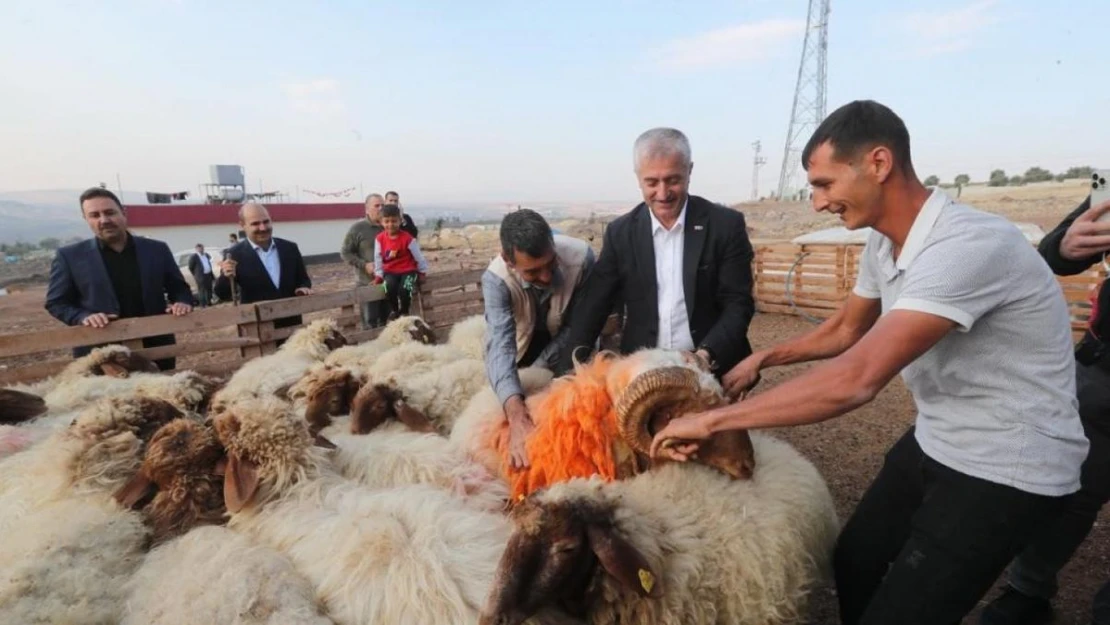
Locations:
(398, 262)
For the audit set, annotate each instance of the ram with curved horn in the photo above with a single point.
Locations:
(600, 421)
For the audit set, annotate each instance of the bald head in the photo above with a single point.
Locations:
(254, 219)
(374, 207)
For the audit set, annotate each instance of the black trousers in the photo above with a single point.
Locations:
(926, 542)
(399, 288)
(1034, 571)
(204, 289)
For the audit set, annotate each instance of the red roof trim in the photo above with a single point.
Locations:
(165, 215)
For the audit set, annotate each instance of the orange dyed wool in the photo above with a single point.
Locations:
(576, 427)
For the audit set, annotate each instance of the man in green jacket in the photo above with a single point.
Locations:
(358, 251)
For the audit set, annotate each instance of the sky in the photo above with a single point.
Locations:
(512, 102)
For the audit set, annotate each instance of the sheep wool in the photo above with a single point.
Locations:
(469, 336)
(482, 419)
(405, 555)
(67, 562)
(440, 394)
(275, 373)
(393, 456)
(400, 331)
(746, 552)
(576, 428)
(214, 575)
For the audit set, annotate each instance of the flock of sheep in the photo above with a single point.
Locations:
(370, 483)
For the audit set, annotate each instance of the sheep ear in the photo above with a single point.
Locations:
(240, 483)
(221, 466)
(621, 560)
(114, 370)
(412, 418)
(134, 491)
(322, 441)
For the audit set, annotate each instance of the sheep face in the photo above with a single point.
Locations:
(375, 403)
(269, 449)
(182, 471)
(421, 332)
(121, 363)
(330, 394)
(17, 406)
(335, 339)
(652, 387)
(553, 557)
(139, 415)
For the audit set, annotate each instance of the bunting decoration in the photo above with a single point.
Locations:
(343, 193)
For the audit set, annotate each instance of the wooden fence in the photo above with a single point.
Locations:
(219, 339)
(813, 280)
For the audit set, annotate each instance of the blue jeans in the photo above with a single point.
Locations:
(926, 542)
(1034, 571)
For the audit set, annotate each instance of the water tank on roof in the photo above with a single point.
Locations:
(231, 194)
(227, 175)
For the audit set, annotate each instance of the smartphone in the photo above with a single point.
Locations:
(1100, 191)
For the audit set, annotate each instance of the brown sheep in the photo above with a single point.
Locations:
(180, 483)
(329, 393)
(375, 403)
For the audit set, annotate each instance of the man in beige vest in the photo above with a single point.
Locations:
(528, 290)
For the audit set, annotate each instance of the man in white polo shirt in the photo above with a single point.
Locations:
(962, 305)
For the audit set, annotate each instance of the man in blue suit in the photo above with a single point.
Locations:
(262, 266)
(115, 275)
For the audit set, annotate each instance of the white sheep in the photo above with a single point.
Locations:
(214, 575)
(412, 359)
(469, 336)
(273, 374)
(68, 546)
(400, 331)
(483, 414)
(68, 562)
(110, 360)
(405, 555)
(440, 394)
(681, 543)
(97, 454)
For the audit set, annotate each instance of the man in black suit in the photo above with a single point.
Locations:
(263, 266)
(680, 264)
(200, 265)
(115, 275)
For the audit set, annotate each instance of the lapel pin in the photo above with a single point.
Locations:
(699, 227)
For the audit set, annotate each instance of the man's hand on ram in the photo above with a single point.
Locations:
(680, 439)
(520, 427)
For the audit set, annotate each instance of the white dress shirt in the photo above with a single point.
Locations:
(674, 324)
(270, 261)
(204, 264)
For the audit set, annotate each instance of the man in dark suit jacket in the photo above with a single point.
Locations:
(681, 265)
(115, 275)
(200, 265)
(263, 266)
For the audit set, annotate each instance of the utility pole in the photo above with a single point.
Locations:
(759, 160)
(808, 110)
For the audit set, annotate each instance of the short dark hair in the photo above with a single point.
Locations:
(393, 193)
(861, 125)
(527, 231)
(391, 210)
(95, 192)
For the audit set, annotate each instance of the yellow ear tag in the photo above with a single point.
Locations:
(647, 580)
(520, 497)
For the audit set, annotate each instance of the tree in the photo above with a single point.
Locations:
(1017, 181)
(998, 178)
(932, 181)
(50, 243)
(963, 179)
(1037, 174)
